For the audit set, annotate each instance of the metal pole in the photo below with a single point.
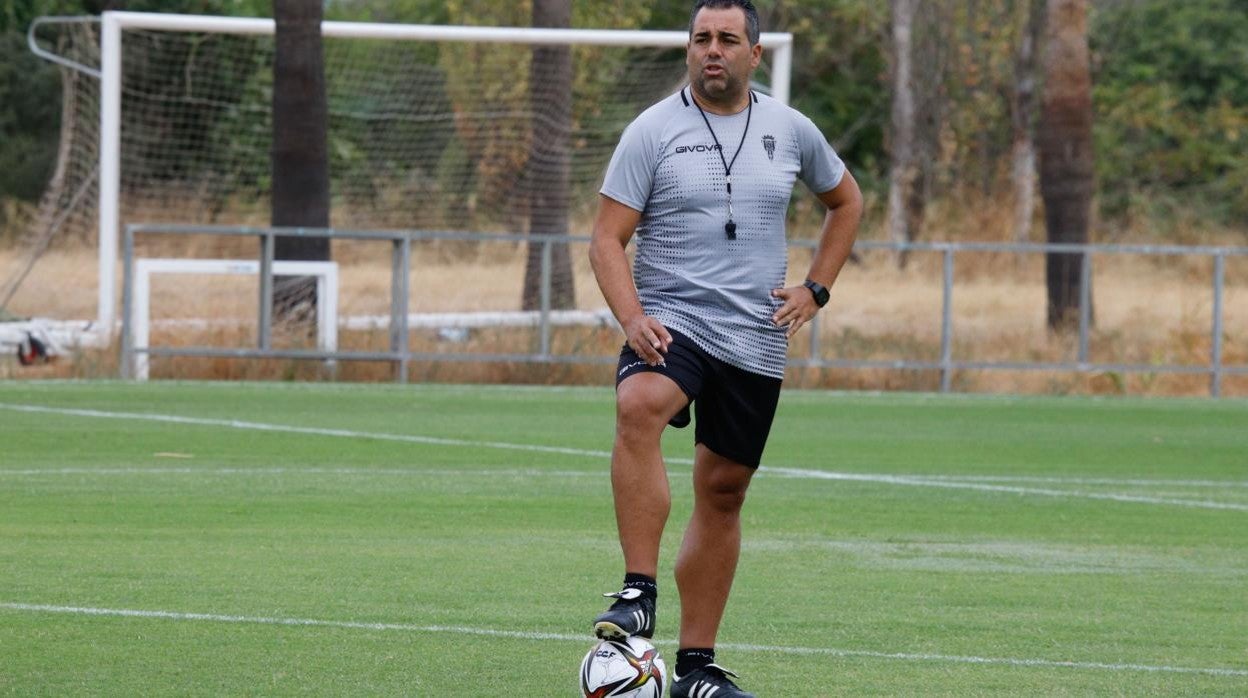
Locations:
(127, 305)
(110, 167)
(1219, 275)
(399, 266)
(815, 359)
(424, 32)
(1085, 304)
(946, 324)
(544, 292)
(266, 289)
(781, 71)
(545, 297)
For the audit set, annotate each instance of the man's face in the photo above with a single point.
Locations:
(719, 55)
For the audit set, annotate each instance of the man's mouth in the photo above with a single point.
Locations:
(713, 71)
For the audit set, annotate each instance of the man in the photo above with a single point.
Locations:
(703, 178)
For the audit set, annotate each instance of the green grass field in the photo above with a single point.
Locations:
(288, 539)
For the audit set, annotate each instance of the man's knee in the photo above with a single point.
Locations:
(645, 406)
(723, 487)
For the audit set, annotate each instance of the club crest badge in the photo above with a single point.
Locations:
(769, 144)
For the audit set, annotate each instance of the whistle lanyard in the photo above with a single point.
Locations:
(730, 228)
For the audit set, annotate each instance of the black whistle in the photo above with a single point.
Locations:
(731, 229)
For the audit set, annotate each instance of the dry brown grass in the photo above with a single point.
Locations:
(1148, 311)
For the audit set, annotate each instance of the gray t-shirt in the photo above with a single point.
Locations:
(689, 275)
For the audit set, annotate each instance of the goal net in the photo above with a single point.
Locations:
(168, 119)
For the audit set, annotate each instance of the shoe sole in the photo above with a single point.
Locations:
(606, 630)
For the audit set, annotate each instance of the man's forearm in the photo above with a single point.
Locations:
(615, 279)
(836, 242)
(840, 228)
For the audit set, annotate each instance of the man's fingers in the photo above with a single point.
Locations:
(794, 326)
(658, 336)
(667, 340)
(649, 339)
(786, 314)
(650, 345)
(652, 340)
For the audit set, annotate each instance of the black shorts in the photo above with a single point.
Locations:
(734, 407)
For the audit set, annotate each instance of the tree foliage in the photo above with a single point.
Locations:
(29, 112)
(1171, 91)
(1170, 88)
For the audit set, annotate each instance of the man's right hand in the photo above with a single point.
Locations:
(649, 338)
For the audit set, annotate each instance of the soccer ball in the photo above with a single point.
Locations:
(615, 668)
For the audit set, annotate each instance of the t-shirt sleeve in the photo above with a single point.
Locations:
(630, 174)
(822, 169)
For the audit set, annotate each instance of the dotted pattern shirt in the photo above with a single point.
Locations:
(689, 275)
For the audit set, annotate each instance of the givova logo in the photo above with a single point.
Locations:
(630, 367)
(682, 149)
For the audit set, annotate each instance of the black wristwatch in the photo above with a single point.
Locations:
(817, 289)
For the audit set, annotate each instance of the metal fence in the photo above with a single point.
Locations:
(1215, 369)
(400, 323)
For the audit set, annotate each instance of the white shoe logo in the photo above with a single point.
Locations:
(628, 594)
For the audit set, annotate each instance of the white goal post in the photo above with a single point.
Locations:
(140, 320)
(115, 24)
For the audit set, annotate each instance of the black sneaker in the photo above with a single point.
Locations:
(631, 614)
(710, 681)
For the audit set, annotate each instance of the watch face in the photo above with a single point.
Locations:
(820, 293)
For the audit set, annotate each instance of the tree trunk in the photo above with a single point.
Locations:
(1066, 158)
(1023, 118)
(903, 167)
(300, 151)
(549, 163)
(929, 59)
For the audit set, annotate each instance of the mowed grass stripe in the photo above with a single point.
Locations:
(1108, 482)
(596, 472)
(901, 480)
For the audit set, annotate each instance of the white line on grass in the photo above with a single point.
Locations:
(264, 472)
(1116, 482)
(920, 481)
(911, 481)
(521, 635)
(311, 431)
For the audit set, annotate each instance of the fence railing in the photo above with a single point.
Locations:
(544, 319)
(947, 364)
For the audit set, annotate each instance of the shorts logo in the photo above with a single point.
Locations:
(769, 144)
(630, 367)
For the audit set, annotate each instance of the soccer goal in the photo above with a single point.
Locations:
(431, 127)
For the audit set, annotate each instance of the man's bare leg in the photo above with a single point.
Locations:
(708, 555)
(644, 403)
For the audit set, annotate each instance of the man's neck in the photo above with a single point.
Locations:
(734, 105)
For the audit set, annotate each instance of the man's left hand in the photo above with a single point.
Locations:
(799, 307)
